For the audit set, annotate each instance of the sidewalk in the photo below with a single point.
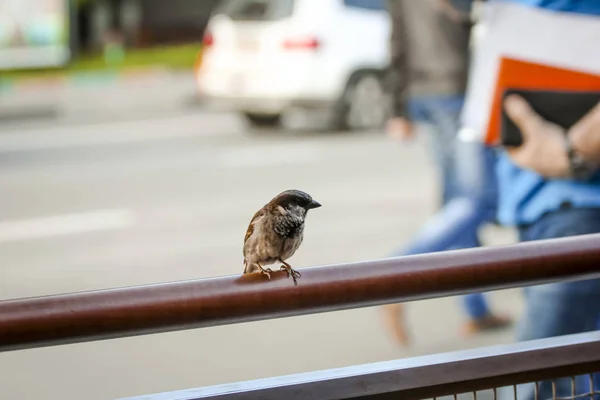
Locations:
(96, 96)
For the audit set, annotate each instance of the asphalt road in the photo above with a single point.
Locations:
(168, 198)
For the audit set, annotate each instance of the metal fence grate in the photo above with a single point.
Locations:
(555, 368)
(585, 386)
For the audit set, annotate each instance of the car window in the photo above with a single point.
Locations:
(366, 4)
(257, 10)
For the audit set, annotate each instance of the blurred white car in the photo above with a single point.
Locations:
(276, 61)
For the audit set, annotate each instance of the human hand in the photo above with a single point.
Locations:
(400, 128)
(543, 149)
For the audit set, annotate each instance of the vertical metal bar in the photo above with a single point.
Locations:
(553, 389)
(573, 391)
(475, 395)
(515, 391)
(591, 386)
(537, 390)
(495, 393)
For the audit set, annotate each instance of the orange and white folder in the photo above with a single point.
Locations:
(528, 48)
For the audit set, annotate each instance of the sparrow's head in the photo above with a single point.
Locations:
(295, 199)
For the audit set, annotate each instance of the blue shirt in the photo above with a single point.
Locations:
(524, 196)
(577, 6)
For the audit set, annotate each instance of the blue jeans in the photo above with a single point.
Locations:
(561, 308)
(466, 169)
(442, 114)
(468, 187)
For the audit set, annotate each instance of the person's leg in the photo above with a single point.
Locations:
(560, 308)
(556, 310)
(456, 225)
(393, 315)
(476, 174)
(476, 178)
(443, 115)
(450, 228)
(588, 384)
(470, 172)
(476, 306)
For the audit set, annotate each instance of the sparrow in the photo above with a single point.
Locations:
(275, 233)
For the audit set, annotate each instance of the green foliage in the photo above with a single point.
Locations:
(173, 57)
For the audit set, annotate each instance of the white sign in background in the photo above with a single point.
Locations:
(558, 39)
(34, 33)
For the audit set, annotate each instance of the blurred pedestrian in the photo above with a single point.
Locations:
(550, 188)
(560, 203)
(427, 82)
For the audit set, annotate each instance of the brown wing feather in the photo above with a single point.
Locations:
(251, 225)
(247, 267)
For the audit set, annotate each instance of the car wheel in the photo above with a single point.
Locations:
(261, 120)
(365, 104)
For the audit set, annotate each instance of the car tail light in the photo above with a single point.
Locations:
(208, 40)
(302, 43)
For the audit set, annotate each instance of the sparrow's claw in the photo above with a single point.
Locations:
(295, 276)
(291, 273)
(266, 271)
(283, 268)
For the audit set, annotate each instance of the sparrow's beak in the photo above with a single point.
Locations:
(314, 204)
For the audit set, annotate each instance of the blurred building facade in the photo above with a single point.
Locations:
(140, 23)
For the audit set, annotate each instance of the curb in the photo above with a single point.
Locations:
(58, 115)
(30, 114)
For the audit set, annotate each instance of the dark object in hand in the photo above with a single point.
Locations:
(563, 108)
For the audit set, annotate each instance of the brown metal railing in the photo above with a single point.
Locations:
(104, 314)
(95, 315)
